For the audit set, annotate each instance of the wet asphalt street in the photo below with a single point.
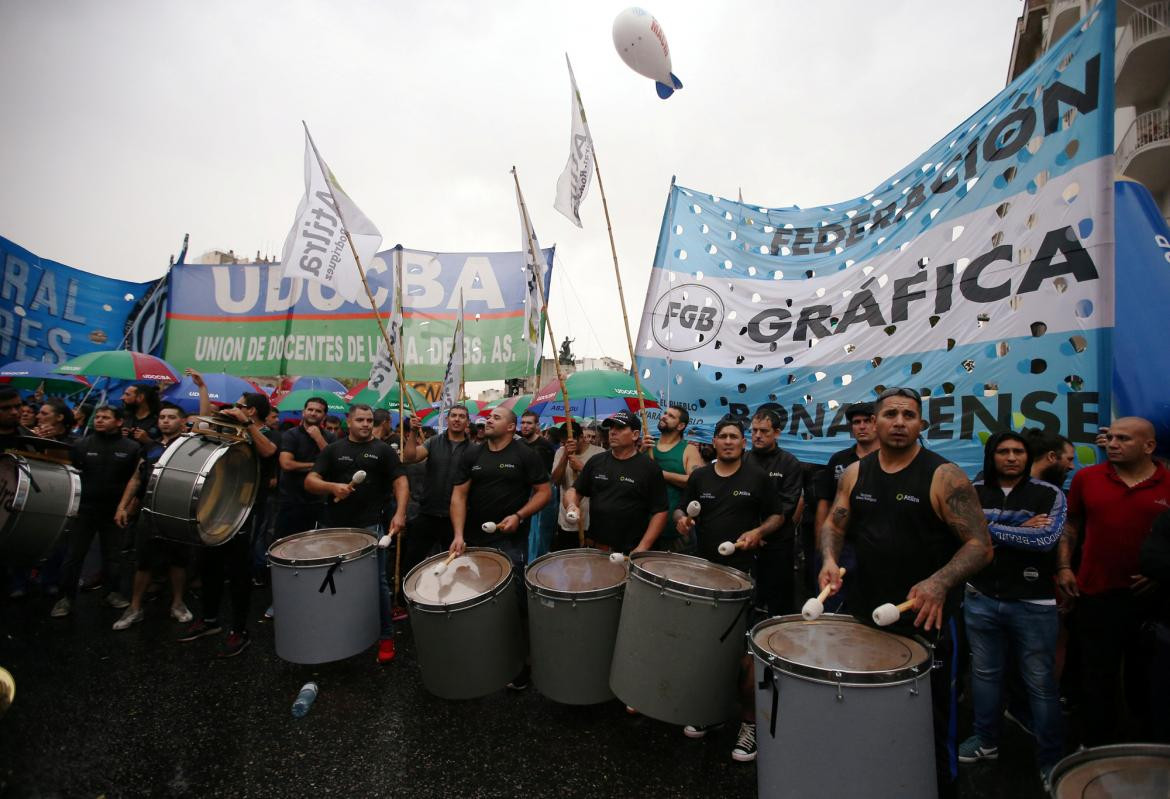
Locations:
(134, 713)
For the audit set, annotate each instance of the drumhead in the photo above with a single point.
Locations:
(690, 575)
(1121, 770)
(476, 575)
(576, 574)
(837, 648)
(322, 547)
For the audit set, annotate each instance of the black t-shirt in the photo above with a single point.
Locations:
(623, 494)
(544, 449)
(827, 479)
(730, 507)
(303, 448)
(269, 465)
(783, 469)
(501, 483)
(11, 440)
(106, 462)
(148, 423)
(338, 462)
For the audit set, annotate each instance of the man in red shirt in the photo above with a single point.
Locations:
(1111, 508)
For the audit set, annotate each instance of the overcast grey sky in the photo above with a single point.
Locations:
(128, 123)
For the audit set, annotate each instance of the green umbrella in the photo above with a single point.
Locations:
(295, 401)
(369, 396)
(516, 405)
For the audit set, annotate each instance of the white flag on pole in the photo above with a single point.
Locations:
(573, 184)
(317, 247)
(382, 373)
(534, 278)
(453, 376)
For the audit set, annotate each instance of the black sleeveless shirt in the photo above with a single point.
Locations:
(899, 539)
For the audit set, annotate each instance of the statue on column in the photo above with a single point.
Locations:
(566, 356)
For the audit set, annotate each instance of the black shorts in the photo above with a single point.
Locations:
(152, 553)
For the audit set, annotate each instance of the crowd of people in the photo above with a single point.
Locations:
(1051, 605)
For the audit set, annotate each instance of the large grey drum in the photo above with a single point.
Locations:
(37, 500)
(1120, 771)
(680, 640)
(842, 709)
(466, 623)
(202, 488)
(324, 594)
(574, 606)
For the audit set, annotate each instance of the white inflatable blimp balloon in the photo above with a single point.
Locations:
(642, 45)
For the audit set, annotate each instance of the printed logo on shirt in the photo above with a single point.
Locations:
(507, 466)
(345, 458)
(476, 468)
(121, 455)
(739, 492)
(864, 497)
(1031, 574)
(623, 479)
(600, 476)
(706, 495)
(907, 498)
(371, 456)
(775, 474)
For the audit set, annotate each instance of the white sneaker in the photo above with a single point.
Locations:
(62, 609)
(181, 614)
(696, 731)
(130, 617)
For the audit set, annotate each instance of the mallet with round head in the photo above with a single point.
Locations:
(813, 609)
(358, 478)
(442, 567)
(488, 527)
(887, 614)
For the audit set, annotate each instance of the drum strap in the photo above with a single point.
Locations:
(770, 677)
(32, 481)
(735, 621)
(328, 581)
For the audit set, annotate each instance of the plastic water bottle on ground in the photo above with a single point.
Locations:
(304, 700)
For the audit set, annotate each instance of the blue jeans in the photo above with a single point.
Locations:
(384, 605)
(1031, 631)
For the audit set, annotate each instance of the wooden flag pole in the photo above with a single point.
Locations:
(401, 418)
(536, 259)
(621, 293)
(361, 269)
(463, 366)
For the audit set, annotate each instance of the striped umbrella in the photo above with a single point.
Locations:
(516, 405)
(121, 365)
(599, 393)
(294, 401)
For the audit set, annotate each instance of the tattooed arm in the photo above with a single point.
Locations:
(832, 534)
(955, 501)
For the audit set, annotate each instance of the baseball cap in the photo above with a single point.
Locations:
(623, 419)
(859, 409)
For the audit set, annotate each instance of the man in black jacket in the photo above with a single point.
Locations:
(1011, 605)
(106, 461)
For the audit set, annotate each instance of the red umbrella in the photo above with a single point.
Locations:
(120, 364)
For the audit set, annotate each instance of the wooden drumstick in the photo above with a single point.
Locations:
(358, 478)
(887, 614)
(813, 609)
(442, 567)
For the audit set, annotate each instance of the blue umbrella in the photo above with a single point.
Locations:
(318, 384)
(221, 388)
(33, 374)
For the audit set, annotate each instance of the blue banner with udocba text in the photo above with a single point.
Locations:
(52, 312)
(981, 275)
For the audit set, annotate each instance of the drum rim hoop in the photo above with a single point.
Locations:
(553, 593)
(666, 584)
(24, 484)
(309, 563)
(818, 674)
(490, 594)
(1070, 762)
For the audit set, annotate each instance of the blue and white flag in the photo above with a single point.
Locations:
(981, 274)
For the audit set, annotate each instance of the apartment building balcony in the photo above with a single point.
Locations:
(1063, 15)
(1144, 152)
(1143, 56)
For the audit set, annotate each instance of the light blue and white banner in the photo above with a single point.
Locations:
(981, 275)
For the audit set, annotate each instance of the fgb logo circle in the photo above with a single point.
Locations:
(687, 317)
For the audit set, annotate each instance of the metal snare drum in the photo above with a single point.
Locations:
(325, 594)
(466, 623)
(202, 489)
(833, 686)
(574, 606)
(1129, 771)
(37, 500)
(680, 640)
